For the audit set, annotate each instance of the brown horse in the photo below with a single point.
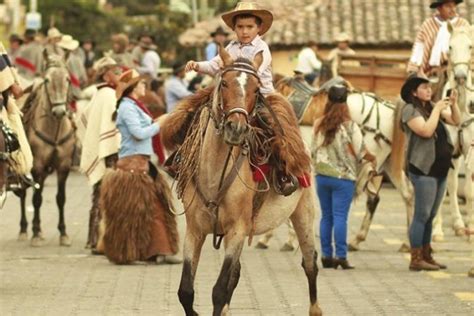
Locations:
(51, 135)
(217, 187)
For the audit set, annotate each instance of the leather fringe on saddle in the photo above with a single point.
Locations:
(137, 216)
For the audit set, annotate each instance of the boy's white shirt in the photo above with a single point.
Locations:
(238, 50)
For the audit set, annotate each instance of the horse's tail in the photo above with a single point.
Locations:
(397, 157)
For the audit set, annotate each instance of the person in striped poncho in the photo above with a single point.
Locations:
(431, 45)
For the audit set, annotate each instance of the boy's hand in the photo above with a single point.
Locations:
(16, 90)
(191, 65)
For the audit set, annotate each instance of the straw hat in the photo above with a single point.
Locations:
(103, 65)
(127, 79)
(439, 3)
(411, 85)
(54, 33)
(342, 37)
(68, 43)
(249, 8)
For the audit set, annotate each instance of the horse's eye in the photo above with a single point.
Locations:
(450, 47)
(224, 84)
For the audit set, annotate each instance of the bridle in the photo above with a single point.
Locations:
(220, 118)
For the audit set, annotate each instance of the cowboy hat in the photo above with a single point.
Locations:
(103, 65)
(342, 37)
(68, 43)
(438, 3)
(338, 93)
(410, 85)
(126, 80)
(251, 8)
(219, 31)
(54, 33)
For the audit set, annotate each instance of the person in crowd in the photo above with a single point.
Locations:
(15, 44)
(151, 61)
(308, 62)
(337, 151)
(249, 22)
(87, 53)
(136, 200)
(101, 139)
(119, 51)
(428, 157)
(11, 117)
(74, 63)
(195, 83)
(219, 37)
(53, 37)
(137, 51)
(431, 46)
(29, 60)
(343, 49)
(175, 87)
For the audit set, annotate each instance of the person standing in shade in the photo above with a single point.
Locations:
(219, 37)
(175, 87)
(428, 156)
(337, 150)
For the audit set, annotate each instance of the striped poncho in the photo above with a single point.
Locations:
(424, 55)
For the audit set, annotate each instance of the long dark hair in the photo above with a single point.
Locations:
(334, 115)
(125, 93)
(425, 107)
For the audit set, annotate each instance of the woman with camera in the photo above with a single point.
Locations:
(428, 157)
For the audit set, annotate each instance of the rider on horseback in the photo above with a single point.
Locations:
(429, 54)
(249, 23)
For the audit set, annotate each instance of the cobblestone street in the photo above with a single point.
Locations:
(53, 280)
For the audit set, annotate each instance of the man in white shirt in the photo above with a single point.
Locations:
(151, 61)
(308, 63)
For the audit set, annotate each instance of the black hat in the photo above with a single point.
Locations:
(338, 93)
(219, 31)
(438, 3)
(411, 85)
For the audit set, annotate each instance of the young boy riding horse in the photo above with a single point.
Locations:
(249, 23)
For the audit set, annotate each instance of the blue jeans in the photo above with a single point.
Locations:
(335, 197)
(429, 192)
(310, 77)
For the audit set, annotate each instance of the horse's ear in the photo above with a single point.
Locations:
(450, 28)
(225, 56)
(258, 60)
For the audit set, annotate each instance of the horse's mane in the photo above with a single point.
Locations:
(30, 105)
(287, 145)
(174, 128)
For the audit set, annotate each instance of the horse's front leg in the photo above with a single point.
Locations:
(193, 242)
(39, 178)
(405, 188)
(453, 185)
(371, 206)
(21, 193)
(230, 271)
(469, 193)
(60, 201)
(303, 223)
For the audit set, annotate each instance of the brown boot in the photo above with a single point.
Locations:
(417, 263)
(427, 251)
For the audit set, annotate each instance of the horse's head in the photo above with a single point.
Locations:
(460, 49)
(56, 84)
(237, 94)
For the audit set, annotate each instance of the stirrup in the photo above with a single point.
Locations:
(285, 185)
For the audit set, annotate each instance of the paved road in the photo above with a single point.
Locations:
(54, 280)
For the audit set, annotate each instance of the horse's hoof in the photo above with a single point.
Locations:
(36, 242)
(471, 273)
(315, 310)
(353, 246)
(64, 241)
(287, 247)
(404, 248)
(437, 238)
(23, 237)
(88, 246)
(261, 245)
(460, 232)
(40, 236)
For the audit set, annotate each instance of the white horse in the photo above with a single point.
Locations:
(376, 118)
(460, 78)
